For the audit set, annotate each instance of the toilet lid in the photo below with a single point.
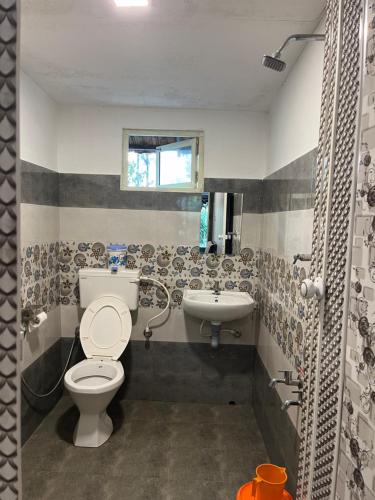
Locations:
(105, 328)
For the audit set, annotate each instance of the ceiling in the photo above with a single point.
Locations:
(175, 53)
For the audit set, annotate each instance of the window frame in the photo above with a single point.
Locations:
(198, 171)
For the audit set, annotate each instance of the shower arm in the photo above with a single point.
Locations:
(299, 38)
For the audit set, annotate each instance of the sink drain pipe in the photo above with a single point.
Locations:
(215, 334)
(217, 331)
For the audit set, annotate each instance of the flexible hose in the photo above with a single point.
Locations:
(58, 382)
(143, 278)
(74, 340)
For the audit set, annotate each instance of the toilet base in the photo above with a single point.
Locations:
(92, 431)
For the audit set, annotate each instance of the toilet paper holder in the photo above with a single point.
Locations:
(31, 317)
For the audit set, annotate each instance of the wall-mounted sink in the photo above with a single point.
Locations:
(217, 308)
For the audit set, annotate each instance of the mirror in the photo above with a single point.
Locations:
(220, 223)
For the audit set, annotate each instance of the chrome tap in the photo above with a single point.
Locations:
(293, 402)
(216, 288)
(303, 257)
(287, 380)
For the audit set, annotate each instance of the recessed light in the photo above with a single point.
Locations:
(131, 3)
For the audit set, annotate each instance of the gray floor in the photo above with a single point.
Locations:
(158, 451)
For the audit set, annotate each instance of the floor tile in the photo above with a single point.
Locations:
(158, 451)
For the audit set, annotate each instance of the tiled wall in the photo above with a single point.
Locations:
(356, 474)
(40, 275)
(286, 231)
(161, 231)
(282, 309)
(278, 431)
(177, 267)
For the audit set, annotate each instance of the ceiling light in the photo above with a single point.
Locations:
(131, 3)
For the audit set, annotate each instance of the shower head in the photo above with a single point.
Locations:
(274, 62)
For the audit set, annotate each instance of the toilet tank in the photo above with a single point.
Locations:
(95, 282)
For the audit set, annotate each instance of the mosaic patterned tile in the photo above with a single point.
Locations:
(50, 277)
(177, 267)
(358, 423)
(282, 309)
(40, 275)
(356, 474)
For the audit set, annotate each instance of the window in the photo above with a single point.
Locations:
(159, 160)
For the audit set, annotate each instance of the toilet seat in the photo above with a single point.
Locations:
(105, 328)
(94, 376)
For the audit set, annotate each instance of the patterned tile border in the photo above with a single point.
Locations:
(321, 415)
(356, 473)
(10, 486)
(50, 277)
(281, 308)
(176, 267)
(40, 275)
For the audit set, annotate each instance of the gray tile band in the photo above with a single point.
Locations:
(41, 375)
(282, 195)
(42, 186)
(103, 191)
(39, 185)
(279, 434)
(184, 372)
(168, 371)
(303, 168)
(290, 188)
(251, 189)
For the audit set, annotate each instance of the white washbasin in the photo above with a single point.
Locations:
(227, 306)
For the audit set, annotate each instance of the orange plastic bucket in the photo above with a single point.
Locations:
(269, 482)
(245, 493)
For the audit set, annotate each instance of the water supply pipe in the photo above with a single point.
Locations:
(147, 331)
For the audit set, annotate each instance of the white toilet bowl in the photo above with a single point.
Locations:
(104, 333)
(92, 385)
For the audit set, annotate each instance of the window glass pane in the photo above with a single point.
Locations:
(141, 169)
(175, 166)
(166, 161)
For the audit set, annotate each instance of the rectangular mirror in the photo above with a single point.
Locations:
(220, 223)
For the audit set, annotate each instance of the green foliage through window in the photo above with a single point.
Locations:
(204, 226)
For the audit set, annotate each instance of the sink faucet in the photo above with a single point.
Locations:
(216, 288)
(293, 402)
(287, 380)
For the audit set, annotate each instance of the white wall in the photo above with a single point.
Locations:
(38, 124)
(90, 138)
(38, 223)
(295, 113)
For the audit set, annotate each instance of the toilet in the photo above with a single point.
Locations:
(105, 331)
